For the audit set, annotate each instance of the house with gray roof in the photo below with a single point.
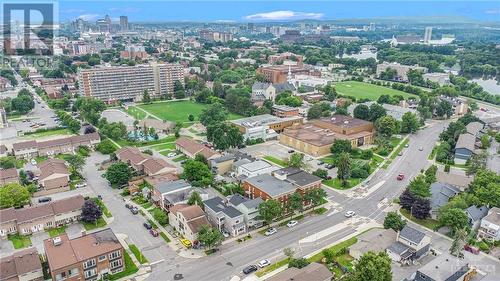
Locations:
(475, 214)
(465, 148)
(440, 195)
(168, 193)
(249, 208)
(224, 216)
(474, 128)
(445, 267)
(411, 244)
(263, 91)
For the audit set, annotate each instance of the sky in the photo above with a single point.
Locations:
(272, 10)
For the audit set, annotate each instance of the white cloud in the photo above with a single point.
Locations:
(283, 15)
(73, 11)
(88, 17)
(125, 10)
(493, 12)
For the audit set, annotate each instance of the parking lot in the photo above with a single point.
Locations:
(116, 115)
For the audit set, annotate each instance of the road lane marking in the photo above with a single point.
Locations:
(157, 262)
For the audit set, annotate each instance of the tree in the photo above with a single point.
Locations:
(376, 111)
(444, 108)
(406, 199)
(118, 174)
(421, 208)
(419, 187)
(160, 216)
(476, 162)
(298, 263)
(90, 109)
(315, 196)
(270, 210)
(386, 126)
(106, 147)
(146, 98)
(89, 130)
(458, 243)
(287, 98)
(195, 199)
(395, 221)
(295, 203)
(76, 162)
(209, 236)
(489, 194)
(373, 267)
(322, 173)
(430, 174)
(91, 212)
(388, 74)
(362, 112)
(341, 146)
(455, 218)
(296, 160)
(197, 173)
(7, 162)
(224, 135)
(191, 117)
(344, 168)
(14, 195)
(409, 123)
(22, 104)
(179, 91)
(214, 114)
(288, 252)
(318, 110)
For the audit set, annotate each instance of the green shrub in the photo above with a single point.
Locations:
(359, 173)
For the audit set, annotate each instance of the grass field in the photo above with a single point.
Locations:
(178, 111)
(136, 113)
(361, 90)
(429, 223)
(20, 241)
(62, 132)
(279, 162)
(53, 232)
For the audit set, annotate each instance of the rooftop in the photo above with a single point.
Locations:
(262, 120)
(19, 263)
(171, 186)
(256, 166)
(412, 234)
(217, 205)
(442, 193)
(443, 267)
(466, 141)
(271, 185)
(312, 272)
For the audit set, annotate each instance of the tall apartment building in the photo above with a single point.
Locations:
(111, 84)
(123, 23)
(428, 35)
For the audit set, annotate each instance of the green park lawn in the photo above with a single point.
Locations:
(55, 132)
(337, 184)
(163, 146)
(178, 111)
(279, 162)
(362, 90)
(136, 113)
(20, 241)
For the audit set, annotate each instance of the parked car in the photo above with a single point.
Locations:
(400, 177)
(147, 225)
(291, 151)
(100, 197)
(407, 145)
(154, 232)
(420, 148)
(320, 163)
(330, 166)
(171, 154)
(80, 185)
(128, 206)
(134, 210)
(349, 214)
(186, 243)
(33, 162)
(249, 269)
(225, 233)
(270, 231)
(400, 153)
(292, 223)
(264, 263)
(44, 199)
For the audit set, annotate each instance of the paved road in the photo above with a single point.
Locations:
(234, 257)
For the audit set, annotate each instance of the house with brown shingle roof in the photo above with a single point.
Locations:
(41, 217)
(187, 220)
(144, 163)
(88, 257)
(54, 177)
(312, 272)
(23, 265)
(191, 148)
(25, 150)
(156, 166)
(8, 176)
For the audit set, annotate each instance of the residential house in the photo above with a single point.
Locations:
(465, 148)
(255, 168)
(224, 216)
(41, 217)
(163, 189)
(33, 148)
(445, 267)
(411, 244)
(8, 176)
(440, 195)
(144, 163)
(23, 265)
(312, 272)
(474, 128)
(54, 177)
(187, 220)
(249, 208)
(475, 214)
(454, 177)
(223, 164)
(89, 257)
(375, 240)
(191, 148)
(490, 225)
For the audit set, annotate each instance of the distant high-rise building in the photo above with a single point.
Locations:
(428, 34)
(372, 26)
(111, 84)
(104, 24)
(123, 23)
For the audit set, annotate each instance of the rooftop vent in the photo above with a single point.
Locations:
(57, 241)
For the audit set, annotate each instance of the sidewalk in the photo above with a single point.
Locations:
(174, 242)
(144, 269)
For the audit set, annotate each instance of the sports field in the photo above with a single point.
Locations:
(177, 111)
(361, 90)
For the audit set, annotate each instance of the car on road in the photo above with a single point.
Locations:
(349, 214)
(154, 232)
(44, 199)
(186, 243)
(128, 206)
(292, 223)
(264, 263)
(483, 109)
(400, 153)
(134, 210)
(407, 145)
(100, 197)
(400, 177)
(270, 231)
(33, 162)
(147, 225)
(80, 185)
(225, 234)
(420, 148)
(291, 151)
(249, 269)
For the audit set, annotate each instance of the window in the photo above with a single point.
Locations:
(116, 263)
(114, 255)
(89, 263)
(61, 276)
(101, 258)
(90, 273)
(73, 272)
